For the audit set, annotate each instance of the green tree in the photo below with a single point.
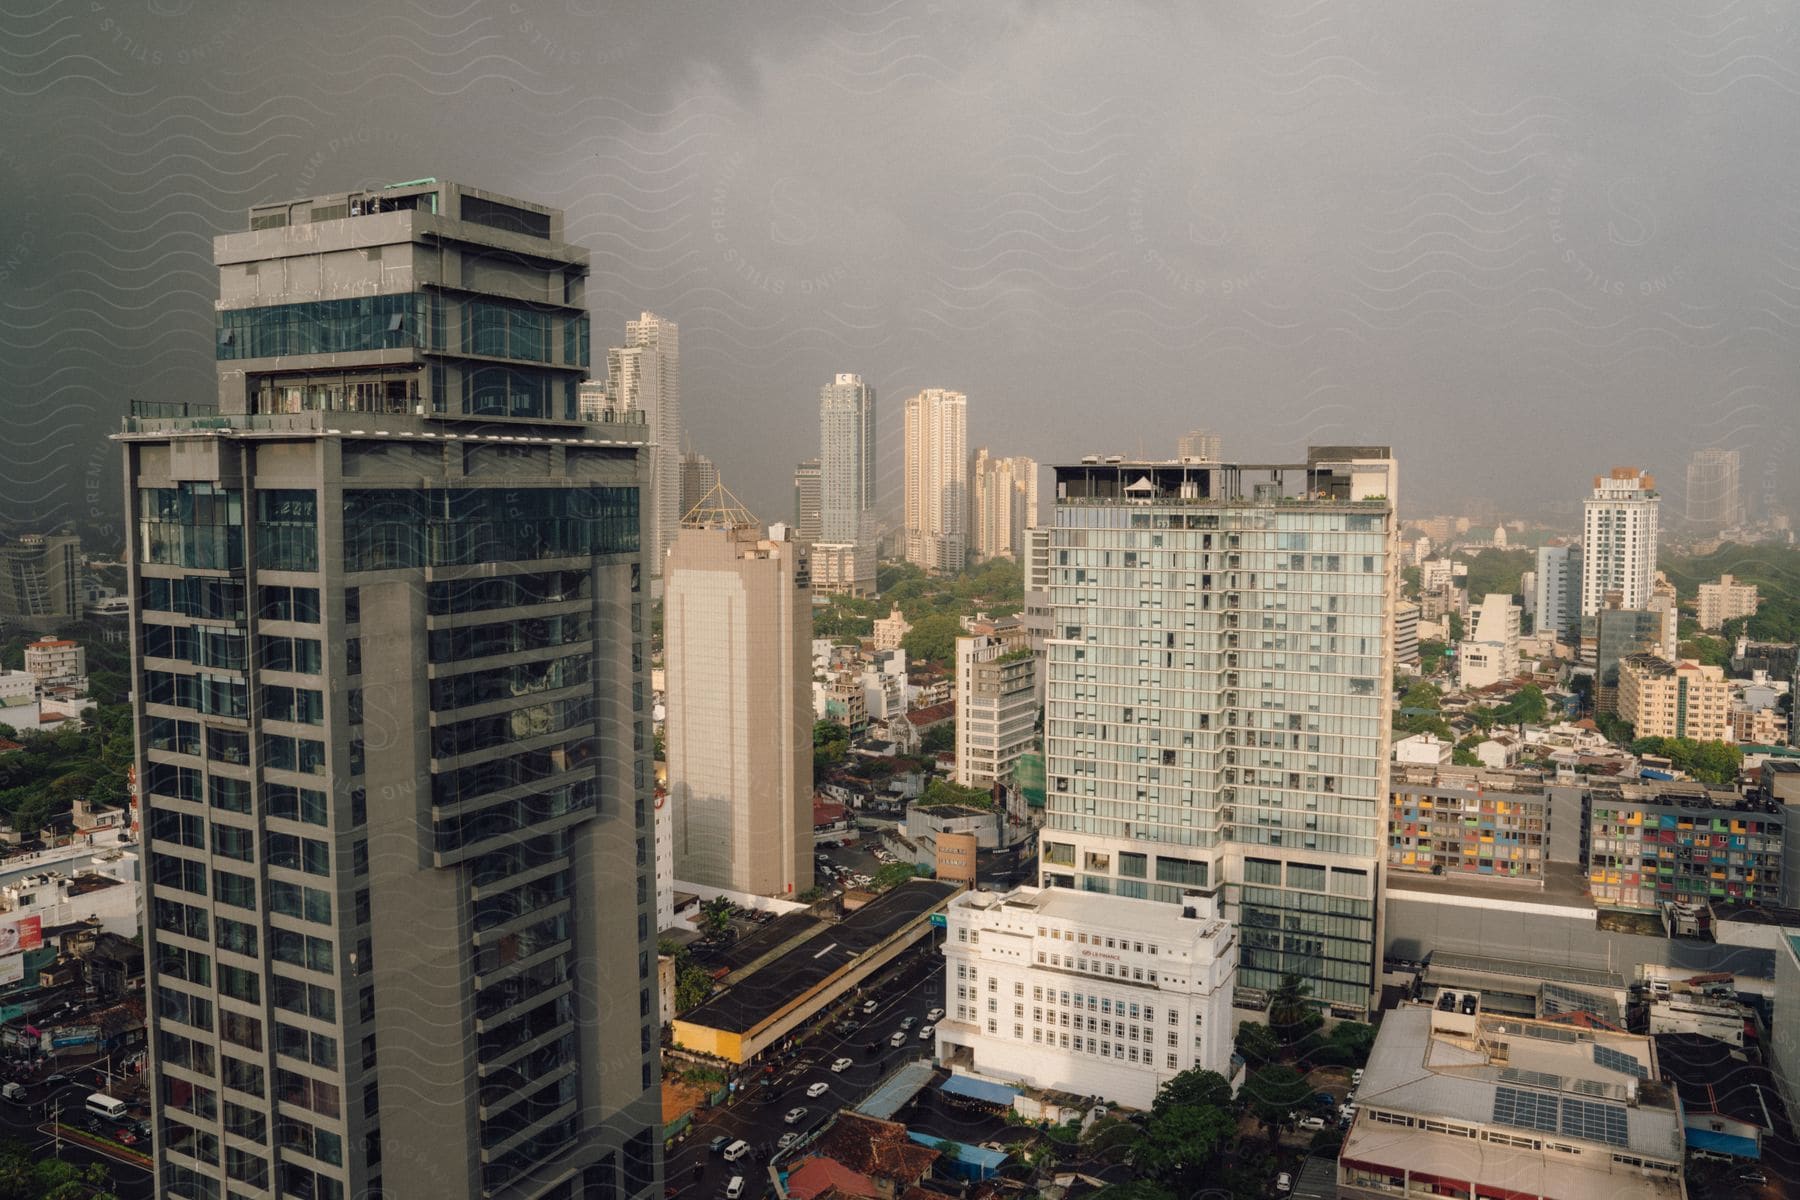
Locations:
(1482, 716)
(1256, 1043)
(1290, 1016)
(1352, 1041)
(1193, 1088)
(1137, 1189)
(1464, 757)
(932, 639)
(939, 739)
(693, 985)
(1431, 656)
(716, 914)
(891, 875)
(1181, 1144)
(943, 791)
(1421, 695)
(1272, 1092)
(1527, 707)
(831, 745)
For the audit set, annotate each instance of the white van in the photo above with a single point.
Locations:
(103, 1105)
(737, 1150)
(735, 1188)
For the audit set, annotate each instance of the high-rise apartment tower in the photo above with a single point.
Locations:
(388, 645)
(937, 480)
(1618, 542)
(1220, 668)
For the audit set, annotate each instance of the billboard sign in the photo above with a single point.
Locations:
(24, 934)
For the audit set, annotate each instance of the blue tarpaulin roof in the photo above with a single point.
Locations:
(1721, 1143)
(979, 1089)
(972, 1162)
(897, 1089)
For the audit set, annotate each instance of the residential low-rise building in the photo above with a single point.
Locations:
(1086, 992)
(56, 662)
(1653, 843)
(1481, 1106)
(1423, 749)
(996, 708)
(891, 630)
(1660, 698)
(1406, 634)
(843, 568)
(1461, 821)
(1724, 599)
(1763, 725)
(1491, 651)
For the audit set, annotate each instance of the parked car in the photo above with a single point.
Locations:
(899, 1038)
(1324, 1099)
(787, 1140)
(795, 1116)
(841, 1065)
(1312, 1123)
(718, 1143)
(818, 1089)
(908, 1022)
(869, 1006)
(735, 1188)
(926, 1033)
(1356, 1077)
(935, 1015)
(1284, 1182)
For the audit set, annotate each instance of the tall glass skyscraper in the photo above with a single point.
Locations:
(1220, 668)
(393, 731)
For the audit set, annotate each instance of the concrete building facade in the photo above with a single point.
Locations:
(1491, 651)
(1089, 994)
(392, 736)
(846, 460)
(1724, 599)
(846, 568)
(1487, 824)
(644, 376)
(737, 640)
(1406, 633)
(996, 708)
(808, 501)
(698, 478)
(1618, 542)
(1003, 504)
(56, 661)
(937, 480)
(1660, 698)
(40, 580)
(1652, 844)
(1198, 445)
(1556, 597)
(1715, 490)
(1220, 666)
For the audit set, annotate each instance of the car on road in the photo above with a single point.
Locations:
(795, 1115)
(925, 1033)
(735, 1188)
(908, 1022)
(936, 1014)
(818, 1089)
(787, 1140)
(1284, 1182)
(56, 1079)
(718, 1143)
(899, 1038)
(841, 1065)
(870, 1006)
(737, 1150)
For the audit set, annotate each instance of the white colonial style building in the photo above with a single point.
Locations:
(1086, 993)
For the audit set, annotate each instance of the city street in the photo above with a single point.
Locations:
(29, 1122)
(915, 985)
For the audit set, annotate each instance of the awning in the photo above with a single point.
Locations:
(979, 1089)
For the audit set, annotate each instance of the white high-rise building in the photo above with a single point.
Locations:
(1491, 651)
(1715, 492)
(1003, 504)
(846, 459)
(996, 708)
(1618, 542)
(1556, 597)
(937, 480)
(1094, 995)
(644, 375)
(1220, 666)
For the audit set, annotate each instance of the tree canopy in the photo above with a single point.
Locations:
(1193, 1086)
(1716, 763)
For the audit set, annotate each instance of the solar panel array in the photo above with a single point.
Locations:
(1614, 1060)
(1525, 1110)
(1594, 1122)
(1586, 1119)
(1542, 1079)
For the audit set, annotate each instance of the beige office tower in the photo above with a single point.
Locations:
(737, 646)
(388, 644)
(1003, 504)
(937, 480)
(644, 376)
(1199, 446)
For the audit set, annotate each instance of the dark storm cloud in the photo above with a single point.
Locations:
(1522, 242)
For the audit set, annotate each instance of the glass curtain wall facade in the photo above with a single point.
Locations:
(1219, 669)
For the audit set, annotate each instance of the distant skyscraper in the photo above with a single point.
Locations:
(388, 636)
(40, 580)
(1556, 602)
(1220, 674)
(808, 522)
(1200, 446)
(1715, 493)
(846, 459)
(644, 375)
(698, 477)
(1618, 543)
(737, 632)
(1002, 504)
(937, 480)
(594, 400)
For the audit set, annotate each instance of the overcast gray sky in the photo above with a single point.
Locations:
(1521, 241)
